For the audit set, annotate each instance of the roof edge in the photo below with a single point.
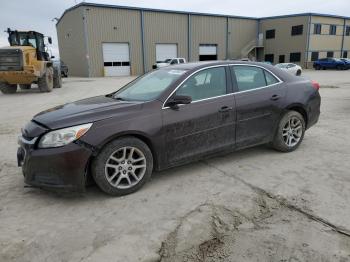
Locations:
(87, 4)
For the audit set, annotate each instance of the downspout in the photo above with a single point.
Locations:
(86, 39)
(342, 42)
(308, 42)
(143, 41)
(227, 34)
(189, 38)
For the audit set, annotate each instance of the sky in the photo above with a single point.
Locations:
(38, 15)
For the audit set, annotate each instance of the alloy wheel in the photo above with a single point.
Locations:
(292, 132)
(125, 167)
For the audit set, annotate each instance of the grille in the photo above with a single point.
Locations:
(11, 60)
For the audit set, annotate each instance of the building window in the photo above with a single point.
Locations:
(269, 58)
(270, 34)
(297, 30)
(317, 29)
(345, 54)
(330, 54)
(294, 57)
(314, 56)
(347, 32)
(281, 59)
(332, 29)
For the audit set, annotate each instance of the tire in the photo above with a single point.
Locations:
(25, 86)
(57, 79)
(112, 154)
(317, 67)
(298, 73)
(8, 88)
(45, 83)
(280, 140)
(338, 67)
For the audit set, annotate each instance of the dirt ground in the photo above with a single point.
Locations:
(251, 205)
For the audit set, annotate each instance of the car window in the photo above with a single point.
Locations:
(249, 77)
(174, 61)
(182, 61)
(270, 79)
(149, 86)
(205, 84)
(291, 65)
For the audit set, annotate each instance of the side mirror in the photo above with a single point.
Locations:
(177, 100)
(50, 40)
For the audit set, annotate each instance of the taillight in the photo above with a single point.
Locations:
(315, 85)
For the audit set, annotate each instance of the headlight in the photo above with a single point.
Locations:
(63, 136)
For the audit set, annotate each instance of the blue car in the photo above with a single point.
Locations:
(330, 63)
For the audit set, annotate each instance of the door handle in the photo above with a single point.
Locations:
(275, 97)
(225, 109)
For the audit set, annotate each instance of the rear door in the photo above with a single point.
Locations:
(204, 126)
(259, 102)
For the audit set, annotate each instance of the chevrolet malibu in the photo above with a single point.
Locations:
(165, 118)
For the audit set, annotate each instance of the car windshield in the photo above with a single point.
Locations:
(282, 65)
(149, 86)
(167, 60)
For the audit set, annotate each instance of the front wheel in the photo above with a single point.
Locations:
(298, 73)
(123, 166)
(45, 83)
(290, 132)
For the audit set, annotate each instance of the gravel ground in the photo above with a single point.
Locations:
(251, 205)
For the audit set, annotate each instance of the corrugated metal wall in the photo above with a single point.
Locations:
(208, 30)
(241, 33)
(284, 43)
(113, 25)
(71, 43)
(164, 28)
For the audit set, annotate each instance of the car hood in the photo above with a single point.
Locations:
(84, 111)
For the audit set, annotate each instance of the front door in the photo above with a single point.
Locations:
(259, 102)
(204, 126)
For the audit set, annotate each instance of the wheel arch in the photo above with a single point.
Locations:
(139, 135)
(300, 109)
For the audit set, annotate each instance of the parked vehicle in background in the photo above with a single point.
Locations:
(168, 62)
(167, 117)
(290, 68)
(27, 61)
(329, 63)
(62, 67)
(266, 62)
(347, 62)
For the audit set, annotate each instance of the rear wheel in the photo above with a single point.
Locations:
(57, 79)
(290, 132)
(123, 166)
(25, 86)
(45, 83)
(8, 88)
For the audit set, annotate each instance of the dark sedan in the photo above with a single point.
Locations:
(165, 118)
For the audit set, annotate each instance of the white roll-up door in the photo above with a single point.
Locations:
(165, 51)
(208, 52)
(116, 59)
(207, 49)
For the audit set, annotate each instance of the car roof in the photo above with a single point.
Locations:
(193, 66)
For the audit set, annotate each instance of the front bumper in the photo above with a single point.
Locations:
(61, 168)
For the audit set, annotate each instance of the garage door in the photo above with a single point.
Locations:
(208, 52)
(165, 51)
(116, 59)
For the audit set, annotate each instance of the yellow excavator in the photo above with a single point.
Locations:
(27, 61)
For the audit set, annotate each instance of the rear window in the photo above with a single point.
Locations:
(251, 77)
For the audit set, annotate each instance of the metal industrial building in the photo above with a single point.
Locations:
(106, 40)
